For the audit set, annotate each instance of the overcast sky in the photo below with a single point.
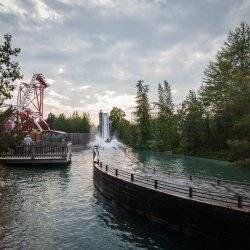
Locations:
(93, 51)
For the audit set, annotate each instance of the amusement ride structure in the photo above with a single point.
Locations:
(28, 112)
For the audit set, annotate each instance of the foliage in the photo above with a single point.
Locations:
(11, 138)
(192, 123)
(9, 72)
(164, 127)
(142, 113)
(122, 128)
(9, 69)
(73, 124)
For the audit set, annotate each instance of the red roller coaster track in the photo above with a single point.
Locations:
(28, 112)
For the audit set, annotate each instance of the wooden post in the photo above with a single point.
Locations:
(32, 152)
(132, 177)
(190, 177)
(154, 171)
(240, 201)
(116, 172)
(169, 173)
(190, 192)
(156, 184)
(218, 182)
(107, 168)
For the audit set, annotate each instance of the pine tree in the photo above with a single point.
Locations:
(165, 103)
(192, 122)
(226, 91)
(143, 112)
(166, 128)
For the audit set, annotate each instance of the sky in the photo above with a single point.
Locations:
(92, 52)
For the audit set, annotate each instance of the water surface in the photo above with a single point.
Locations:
(59, 208)
(188, 165)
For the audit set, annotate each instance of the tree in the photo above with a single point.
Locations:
(9, 68)
(227, 78)
(142, 113)
(9, 73)
(117, 117)
(226, 90)
(165, 125)
(192, 123)
(165, 103)
(51, 120)
(75, 123)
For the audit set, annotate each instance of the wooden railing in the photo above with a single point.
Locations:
(50, 150)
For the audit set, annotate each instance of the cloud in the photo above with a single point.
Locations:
(85, 87)
(111, 44)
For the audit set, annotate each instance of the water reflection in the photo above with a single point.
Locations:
(136, 231)
(193, 165)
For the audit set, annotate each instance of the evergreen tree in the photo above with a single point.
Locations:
(226, 91)
(165, 103)
(192, 123)
(227, 79)
(166, 127)
(142, 113)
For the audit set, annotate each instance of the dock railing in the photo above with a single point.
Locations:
(237, 201)
(39, 150)
(219, 198)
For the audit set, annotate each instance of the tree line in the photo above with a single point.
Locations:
(75, 123)
(213, 122)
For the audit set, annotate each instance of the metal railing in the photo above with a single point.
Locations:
(218, 181)
(50, 150)
(230, 200)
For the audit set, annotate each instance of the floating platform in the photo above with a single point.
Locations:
(38, 154)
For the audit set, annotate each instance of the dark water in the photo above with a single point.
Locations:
(59, 208)
(187, 165)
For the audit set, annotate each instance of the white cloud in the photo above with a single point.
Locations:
(13, 7)
(43, 12)
(54, 94)
(85, 87)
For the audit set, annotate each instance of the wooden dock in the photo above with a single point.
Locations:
(38, 154)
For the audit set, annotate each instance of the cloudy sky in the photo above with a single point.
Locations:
(93, 51)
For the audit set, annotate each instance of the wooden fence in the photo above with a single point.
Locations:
(80, 138)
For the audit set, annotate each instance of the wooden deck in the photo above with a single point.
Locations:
(38, 154)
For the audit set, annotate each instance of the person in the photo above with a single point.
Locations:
(27, 140)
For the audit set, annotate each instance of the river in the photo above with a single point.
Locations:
(59, 208)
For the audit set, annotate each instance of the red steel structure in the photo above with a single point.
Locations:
(28, 112)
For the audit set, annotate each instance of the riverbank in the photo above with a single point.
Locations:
(220, 155)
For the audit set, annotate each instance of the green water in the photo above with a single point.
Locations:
(188, 165)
